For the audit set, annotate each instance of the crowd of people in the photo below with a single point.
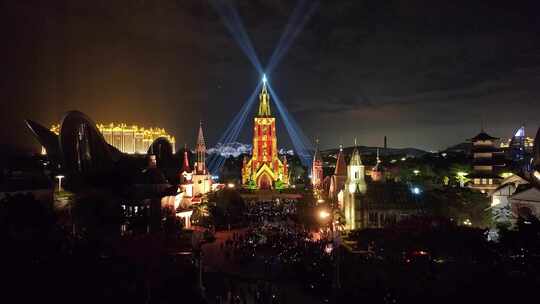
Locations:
(274, 249)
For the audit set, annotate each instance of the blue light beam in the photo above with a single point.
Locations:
(300, 142)
(294, 27)
(233, 22)
(230, 135)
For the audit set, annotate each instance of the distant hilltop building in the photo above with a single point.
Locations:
(265, 170)
(130, 139)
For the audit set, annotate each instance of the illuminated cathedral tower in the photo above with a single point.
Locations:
(354, 186)
(199, 181)
(200, 167)
(264, 170)
(317, 169)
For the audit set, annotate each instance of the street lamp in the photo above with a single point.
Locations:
(536, 174)
(59, 178)
(325, 215)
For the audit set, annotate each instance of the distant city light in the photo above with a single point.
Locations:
(536, 174)
(230, 185)
(416, 190)
(467, 222)
(416, 172)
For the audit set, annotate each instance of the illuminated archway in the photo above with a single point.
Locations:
(264, 181)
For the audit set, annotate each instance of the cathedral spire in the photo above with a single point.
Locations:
(201, 152)
(341, 166)
(317, 156)
(356, 160)
(316, 168)
(264, 100)
(185, 166)
(200, 137)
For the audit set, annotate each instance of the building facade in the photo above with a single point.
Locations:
(130, 139)
(265, 170)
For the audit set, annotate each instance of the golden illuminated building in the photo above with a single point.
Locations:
(265, 170)
(130, 139)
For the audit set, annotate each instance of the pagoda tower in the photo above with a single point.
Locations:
(264, 170)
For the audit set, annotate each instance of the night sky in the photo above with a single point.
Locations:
(424, 73)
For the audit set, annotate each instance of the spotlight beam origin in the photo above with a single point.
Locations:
(235, 26)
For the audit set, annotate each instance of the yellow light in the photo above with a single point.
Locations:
(506, 174)
(323, 214)
(59, 178)
(416, 172)
(230, 185)
(462, 174)
(536, 174)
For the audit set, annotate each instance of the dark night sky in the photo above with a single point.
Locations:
(423, 72)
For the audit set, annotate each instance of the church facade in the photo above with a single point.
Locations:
(265, 170)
